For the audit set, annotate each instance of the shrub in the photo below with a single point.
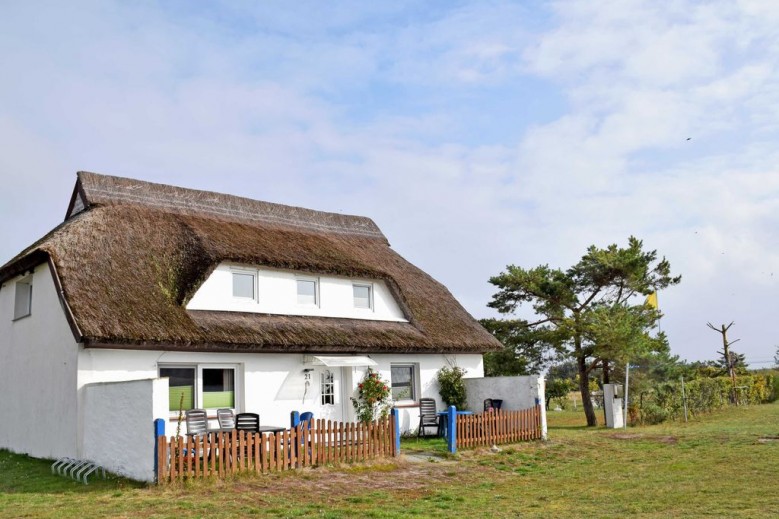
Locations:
(373, 398)
(451, 386)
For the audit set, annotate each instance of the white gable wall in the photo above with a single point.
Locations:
(37, 373)
(277, 294)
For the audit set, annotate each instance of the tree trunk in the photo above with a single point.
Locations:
(584, 389)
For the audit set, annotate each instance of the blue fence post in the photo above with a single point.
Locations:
(451, 429)
(159, 430)
(396, 420)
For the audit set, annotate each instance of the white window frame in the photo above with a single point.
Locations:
(371, 297)
(327, 388)
(415, 396)
(256, 288)
(197, 398)
(25, 282)
(317, 297)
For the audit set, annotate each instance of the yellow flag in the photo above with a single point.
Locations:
(651, 300)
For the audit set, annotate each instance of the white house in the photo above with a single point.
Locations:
(150, 297)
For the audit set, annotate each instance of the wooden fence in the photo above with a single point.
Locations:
(226, 453)
(496, 427)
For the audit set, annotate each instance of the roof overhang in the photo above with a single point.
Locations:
(352, 361)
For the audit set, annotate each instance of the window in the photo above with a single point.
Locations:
(307, 292)
(181, 388)
(206, 387)
(218, 388)
(363, 296)
(244, 285)
(23, 298)
(403, 380)
(328, 387)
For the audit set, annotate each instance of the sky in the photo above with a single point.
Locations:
(475, 134)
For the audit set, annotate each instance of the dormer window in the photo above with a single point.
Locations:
(245, 285)
(23, 298)
(308, 291)
(363, 296)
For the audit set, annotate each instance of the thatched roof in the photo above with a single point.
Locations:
(131, 254)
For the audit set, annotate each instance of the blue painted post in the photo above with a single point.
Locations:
(396, 423)
(159, 430)
(451, 429)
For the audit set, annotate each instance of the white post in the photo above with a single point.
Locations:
(627, 378)
(684, 401)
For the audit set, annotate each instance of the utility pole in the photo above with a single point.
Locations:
(726, 354)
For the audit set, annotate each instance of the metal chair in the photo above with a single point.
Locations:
(247, 422)
(428, 415)
(226, 419)
(197, 422)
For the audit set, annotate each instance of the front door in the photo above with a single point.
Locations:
(326, 398)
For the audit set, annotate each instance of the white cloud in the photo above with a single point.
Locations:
(362, 109)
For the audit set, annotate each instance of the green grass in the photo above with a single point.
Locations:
(716, 466)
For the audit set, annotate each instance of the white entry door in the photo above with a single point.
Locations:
(327, 400)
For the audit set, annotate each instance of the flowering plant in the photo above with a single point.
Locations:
(373, 398)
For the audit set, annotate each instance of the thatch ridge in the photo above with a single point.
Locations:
(127, 271)
(110, 190)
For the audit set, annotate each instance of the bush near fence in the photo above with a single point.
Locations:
(223, 454)
(704, 395)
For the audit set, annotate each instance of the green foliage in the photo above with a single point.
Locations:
(523, 351)
(704, 395)
(373, 398)
(451, 386)
(593, 312)
(565, 370)
(558, 388)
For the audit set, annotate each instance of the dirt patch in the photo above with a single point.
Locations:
(626, 436)
(768, 439)
(668, 440)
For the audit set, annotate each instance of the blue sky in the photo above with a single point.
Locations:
(476, 134)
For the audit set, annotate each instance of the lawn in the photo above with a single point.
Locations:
(722, 465)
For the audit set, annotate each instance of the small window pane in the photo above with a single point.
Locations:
(243, 285)
(218, 388)
(23, 299)
(181, 388)
(402, 380)
(328, 388)
(306, 292)
(362, 296)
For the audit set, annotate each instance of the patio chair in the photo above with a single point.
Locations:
(197, 422)
(428, 415)
(247, 422)
(308, 416)
(226, 419)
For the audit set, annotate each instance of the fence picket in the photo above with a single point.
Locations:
(326, 441)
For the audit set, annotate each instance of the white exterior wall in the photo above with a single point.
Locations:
(277, 294)
(273, 385)
(37, 373)
(118, 430)
(429, 365)
(516, 392)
